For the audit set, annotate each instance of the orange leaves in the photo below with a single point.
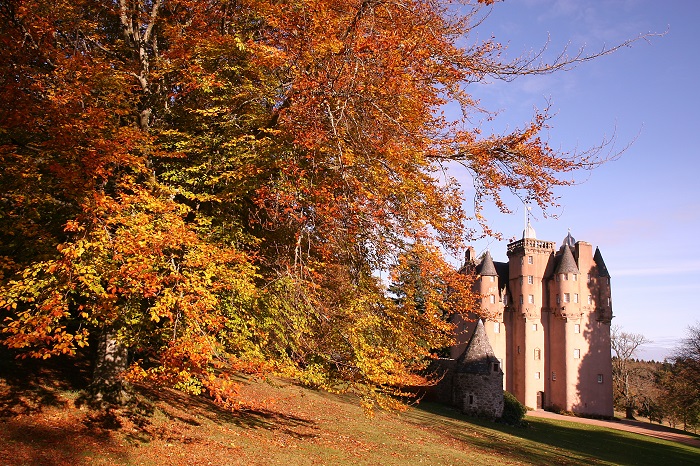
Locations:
(221, 183)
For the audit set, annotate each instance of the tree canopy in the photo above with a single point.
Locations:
(219, 185)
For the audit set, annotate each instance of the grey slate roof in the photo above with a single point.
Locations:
(569, 241)
(567, 263)
(486, 267)
(598, 259)
(478, 357)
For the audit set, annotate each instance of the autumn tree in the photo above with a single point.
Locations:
(681, 381)
(628, 377)
(198, 187)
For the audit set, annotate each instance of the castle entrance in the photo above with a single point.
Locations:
(540, 400)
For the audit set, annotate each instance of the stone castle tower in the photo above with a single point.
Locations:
(547, 314)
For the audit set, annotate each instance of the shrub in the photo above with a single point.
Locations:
(513, 410)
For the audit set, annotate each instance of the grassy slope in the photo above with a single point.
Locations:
(42, 422)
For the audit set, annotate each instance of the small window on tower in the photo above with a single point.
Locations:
(554, 375)
(575, 297)
(600, 378)
(534, 327)
(590, 299)
(471, 400)
(496, 327)
(588, 277)
(558, 299)
(493, 278)
(505, 299)
(577, 328)
(521, 299)
(495, 367)
(608, 300)
(565, 276)
(531, 298)
(530, 260)
(537, 375)
(538, 354)
(577, 354)
(567, 298)
(492, 299)
(575, 277)
(530, 280)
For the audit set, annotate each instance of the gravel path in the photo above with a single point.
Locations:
(638, 427)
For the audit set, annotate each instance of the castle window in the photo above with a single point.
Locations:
(577, 354)
(588, 277)
(492, 299)
(495, 367)
(496, 327)
(521, 299)
(530, 280)
(575, 277)
(567, 297)
(554, 375)
(575, 297)
(534, 327)
(537, 375)
(538, 354)
(577, 328)
(558, 277)
(530, 260)
(600, 378)
(493, 278)
(590, 299)
(608, 300)
(505, 299)
(471, 400)
(558, 299)
(531, 298)
(565, 276)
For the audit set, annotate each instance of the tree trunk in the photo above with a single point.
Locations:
(107, 384)
(629, 412)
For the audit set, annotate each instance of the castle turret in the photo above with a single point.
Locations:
(564, 346)
(604, 301)
(478, 378)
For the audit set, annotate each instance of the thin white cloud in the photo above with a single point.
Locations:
(678, 268)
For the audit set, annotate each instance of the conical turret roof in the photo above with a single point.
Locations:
(569, 240)
(598, 259)
(567, 263)
(478, 357)
(487, 267)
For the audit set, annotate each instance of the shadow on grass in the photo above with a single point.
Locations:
(548, 442)
(25, 442)
(29, 385)
(184, 408)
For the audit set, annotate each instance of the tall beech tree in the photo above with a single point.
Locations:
(198, 187)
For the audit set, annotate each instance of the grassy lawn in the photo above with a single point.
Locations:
(42, 422)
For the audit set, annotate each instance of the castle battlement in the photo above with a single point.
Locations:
(530, 243)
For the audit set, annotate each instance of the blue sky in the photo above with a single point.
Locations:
(642, 210)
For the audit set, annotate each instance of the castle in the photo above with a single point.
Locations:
(546, 313)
